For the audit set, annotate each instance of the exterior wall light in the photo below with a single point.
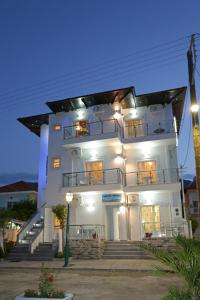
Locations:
(117, 115)
(194, 108)
(122, 209)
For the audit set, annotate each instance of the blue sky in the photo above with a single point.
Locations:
(56, 49)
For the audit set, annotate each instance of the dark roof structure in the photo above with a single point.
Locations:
(19, 186)
(35, 122)
(126, 96)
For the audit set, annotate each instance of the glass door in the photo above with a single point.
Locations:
(151, 220)
(135, 128)
(147, 172)
(81, 128)
(94, 171)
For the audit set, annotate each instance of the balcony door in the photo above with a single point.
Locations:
(151, 219)
(81, 128)
(147, 172)
(94, 171)
(135, 128)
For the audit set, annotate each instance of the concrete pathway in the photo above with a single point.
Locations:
(88, 265)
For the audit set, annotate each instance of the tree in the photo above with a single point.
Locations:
(4, 219)
(185, 260)
(60, 211)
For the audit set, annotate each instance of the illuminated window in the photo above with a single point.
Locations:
(56, 163)
(135, 128)
(57, 127)
(95, 171)
(81, 128)
(147, 172)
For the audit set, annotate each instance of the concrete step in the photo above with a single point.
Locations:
(126, 257)
(124, 253)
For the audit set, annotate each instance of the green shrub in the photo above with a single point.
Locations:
(30, 293)
(194, 224)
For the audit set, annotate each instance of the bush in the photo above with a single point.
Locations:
(194, 224)
(30, 293)
(2, 254)
(185, 260)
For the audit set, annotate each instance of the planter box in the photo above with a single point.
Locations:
(67, 297)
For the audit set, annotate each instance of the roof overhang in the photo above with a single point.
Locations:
(86, 101)
(34, 123)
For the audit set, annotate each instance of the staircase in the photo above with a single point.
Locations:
(29, 234)
(124, 250)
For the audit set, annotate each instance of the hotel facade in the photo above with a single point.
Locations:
(115, 151)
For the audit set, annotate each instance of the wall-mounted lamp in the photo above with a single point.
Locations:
(122, 209)
(194, 108)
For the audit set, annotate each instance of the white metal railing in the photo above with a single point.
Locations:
(159, 229)
(37, 240)
(87, 232)
(28, 225)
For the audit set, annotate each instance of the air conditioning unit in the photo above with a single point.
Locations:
(98, 109)
(156, 108)
(76, 152)
(133, 199)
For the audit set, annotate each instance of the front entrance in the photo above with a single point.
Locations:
(112, 217)
(151, 220)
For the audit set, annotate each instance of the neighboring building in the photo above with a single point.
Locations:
(17, 192)
(116, 152)
(191, 201)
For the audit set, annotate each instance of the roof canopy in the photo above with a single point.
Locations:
(126, 96)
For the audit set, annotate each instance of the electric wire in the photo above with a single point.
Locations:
(100, 65)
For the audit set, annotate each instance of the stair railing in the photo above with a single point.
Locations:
(37, 239)
(28, 225)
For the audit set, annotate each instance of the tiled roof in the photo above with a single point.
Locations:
(19, 186)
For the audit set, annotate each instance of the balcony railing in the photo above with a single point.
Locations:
(152, 177)
(158, 229)
(96, 177)
(140, 129)
(92, 128)
(87, 232)
(116, 176)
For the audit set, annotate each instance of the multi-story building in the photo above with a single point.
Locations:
(115, 151)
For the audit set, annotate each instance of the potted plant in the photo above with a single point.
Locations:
(46, 289)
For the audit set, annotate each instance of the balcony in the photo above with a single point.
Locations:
(133, 130)
(116, 178)
(140, 129)
(98, 179)
(84, 131)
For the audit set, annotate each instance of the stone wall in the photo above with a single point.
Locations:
(86, 249)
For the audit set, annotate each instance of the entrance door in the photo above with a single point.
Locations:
(151, 219)
(135, 128)
(147, 172)
(112, 222)
(94, 170)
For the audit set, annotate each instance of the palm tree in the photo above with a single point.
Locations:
(185, 260)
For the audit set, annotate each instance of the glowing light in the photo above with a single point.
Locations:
(194, 108)
(119, 158)
(134, 113)
(80, 114)
(90, 207)
(117, 115)
(122, 209)
(118, 212)
(69, 197)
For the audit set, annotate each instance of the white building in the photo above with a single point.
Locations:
(116, 152)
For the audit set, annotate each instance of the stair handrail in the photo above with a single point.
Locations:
(26, 226)
(36, 239)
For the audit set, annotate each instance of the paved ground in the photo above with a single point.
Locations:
(100, 264)
(89, 284)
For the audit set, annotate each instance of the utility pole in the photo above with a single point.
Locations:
(191, 56)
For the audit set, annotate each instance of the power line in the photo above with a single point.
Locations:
(124, 58)
(127, 70)
(152, 66)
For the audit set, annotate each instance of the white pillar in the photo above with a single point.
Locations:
(42, 173)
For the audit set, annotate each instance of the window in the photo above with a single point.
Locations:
(56, 163)
(94, 172)
(147, 172)
(81, 128)
(57, 127)
(135, 128)
(151, 218)
(10, 204)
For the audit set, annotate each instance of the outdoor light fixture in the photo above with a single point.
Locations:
(68, 198)
(117, 115)
(194, 108)
(122, 209)
(134, 113)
